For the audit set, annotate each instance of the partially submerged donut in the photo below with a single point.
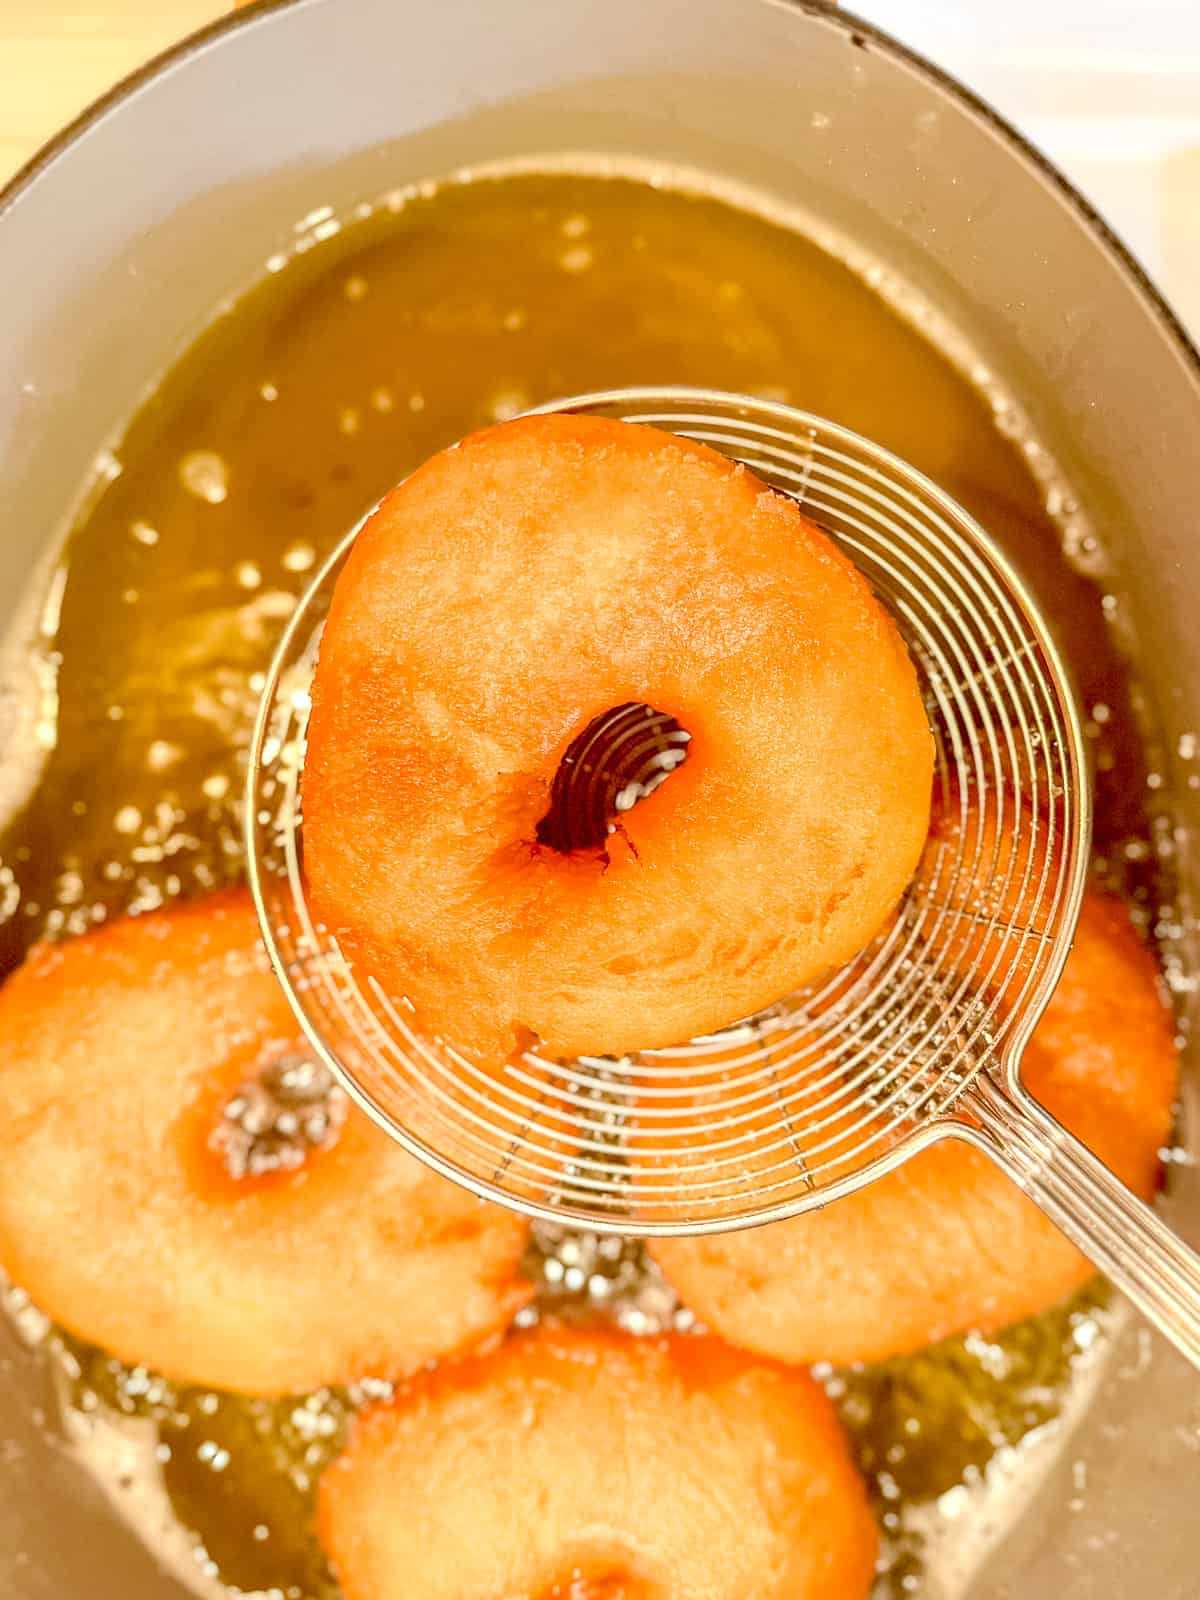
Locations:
(987, 881)
(946, 1243)
(560, 587)
(581, 1464)
(181, 1186)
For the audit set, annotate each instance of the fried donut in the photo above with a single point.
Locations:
(595, 1467)
(525, 636)
(180, 1187)
(946, 1243)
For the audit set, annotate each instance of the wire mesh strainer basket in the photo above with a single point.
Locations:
(919, 1038)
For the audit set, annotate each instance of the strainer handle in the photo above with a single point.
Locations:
(1117, 1232)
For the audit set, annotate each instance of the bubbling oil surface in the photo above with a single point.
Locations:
(371, 345)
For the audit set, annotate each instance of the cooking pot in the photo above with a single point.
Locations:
(125, 235)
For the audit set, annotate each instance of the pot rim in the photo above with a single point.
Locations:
(859, 32)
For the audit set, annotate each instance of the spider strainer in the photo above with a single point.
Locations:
(917, 1039)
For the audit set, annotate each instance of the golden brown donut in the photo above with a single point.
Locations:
(515, 589)
(589, 1466)
(119, 1209)
(946, 1243)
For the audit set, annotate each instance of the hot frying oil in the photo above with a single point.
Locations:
(438, 312)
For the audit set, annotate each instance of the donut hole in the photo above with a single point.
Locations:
(287, 1109)
(620, 757)
(609, 1584)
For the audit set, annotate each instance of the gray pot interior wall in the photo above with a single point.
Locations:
(122, 245)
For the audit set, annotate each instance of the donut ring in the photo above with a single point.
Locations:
(540, 576)
(591, 1467)
(946, 1243)
(119, 1213)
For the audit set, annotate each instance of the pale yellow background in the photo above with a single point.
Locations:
(56, 56)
